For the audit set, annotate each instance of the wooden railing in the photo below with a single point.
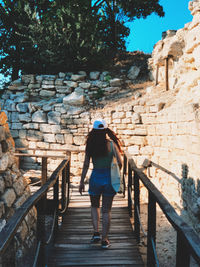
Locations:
(188, 242)
(54, 207)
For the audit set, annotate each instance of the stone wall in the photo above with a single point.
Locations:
(183, 49)
(179, 137)
(13, 192)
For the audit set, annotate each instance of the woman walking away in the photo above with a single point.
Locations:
(101, 144)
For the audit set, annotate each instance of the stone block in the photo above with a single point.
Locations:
(71, 84)
(53, 117)
(33, 135)
(56, 129)
(136, 118)
(49, 138)
(116, 121)
(32, 145)
(75, 98)
(4, 162)
(118, 115)
(115, 82)
(18, 186)
(22, 107)
(140, 131)
(133, 150)
(63, 89)
(39, 116)
(47, 93)
(139, 109)
(34, 126)
(23, 231)
(42, 145)
(2, 186)
(94, 75)
(78, 77)
(60, 138)
(26, 117)
(68, 138)
(16, 126)
(79, 140)
(146, 150)
(45, 128)
(148, 118)
(85, 85)
(9, 197)
(22, 134)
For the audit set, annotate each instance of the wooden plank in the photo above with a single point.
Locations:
(72, 244)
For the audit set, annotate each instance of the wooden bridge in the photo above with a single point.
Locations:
(72, 245)
(67, 241)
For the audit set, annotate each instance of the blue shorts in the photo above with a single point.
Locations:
(100, 183)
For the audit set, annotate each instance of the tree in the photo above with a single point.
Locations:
(48, 36)
(121, 11)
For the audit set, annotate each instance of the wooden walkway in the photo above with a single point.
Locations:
(72, 246)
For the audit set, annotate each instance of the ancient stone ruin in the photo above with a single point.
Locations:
(14, 191)
(159, 128)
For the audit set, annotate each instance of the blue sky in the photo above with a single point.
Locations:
(147, 32)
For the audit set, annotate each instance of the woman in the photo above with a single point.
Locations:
(100, 146)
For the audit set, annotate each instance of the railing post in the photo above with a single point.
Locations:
(56, 201)
(68, 180)
(44, 170)
(129, 190)
(41, 234)
(151, 235)
(64, 176)
(136, 206)
(157, 71)
(167, 73)
(182, 252)
(124, 174)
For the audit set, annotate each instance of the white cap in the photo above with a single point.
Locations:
(99, 124)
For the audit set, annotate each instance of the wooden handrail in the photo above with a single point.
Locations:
(187, 241)
(11, 227)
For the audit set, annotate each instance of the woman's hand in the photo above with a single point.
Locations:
(81, 187)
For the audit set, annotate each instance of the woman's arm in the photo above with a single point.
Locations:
(118, 156)
(84, 172)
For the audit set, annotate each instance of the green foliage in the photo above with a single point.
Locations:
(48, 36)
(107, 78)
(99, 94)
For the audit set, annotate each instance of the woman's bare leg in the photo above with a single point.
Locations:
(106, 216)
(95, 212)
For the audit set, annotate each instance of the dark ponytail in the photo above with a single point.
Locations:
(113, 137)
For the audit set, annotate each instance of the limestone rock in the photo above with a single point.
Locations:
(133, 72)
(76, 98)
(22, 107)
(85, 85)
(39, 116)
(94, 75)
(25, 117)
(47, 93)
(78, 77)
(4, 161)
(115, 82)
(61, 75)
(9, 197)
(53, 117)
(10, 105)
(63, 89)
